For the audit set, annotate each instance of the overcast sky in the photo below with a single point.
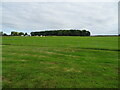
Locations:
(97, 17)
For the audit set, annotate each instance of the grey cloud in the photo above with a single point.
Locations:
(99, 18)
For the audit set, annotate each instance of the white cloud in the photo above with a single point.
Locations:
(99, 18)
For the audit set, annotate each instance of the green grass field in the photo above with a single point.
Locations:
(60, 62)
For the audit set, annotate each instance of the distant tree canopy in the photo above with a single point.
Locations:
(3, 34)
(13, 33)
(62, 33)
(25, 34)
(20, 33)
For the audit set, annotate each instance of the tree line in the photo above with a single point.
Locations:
(61, 33)
(13, 33)
(71, 32)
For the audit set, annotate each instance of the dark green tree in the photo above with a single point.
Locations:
(21, 33)
(1, 33)
(25, 34)
(71, 32)
(13, 33)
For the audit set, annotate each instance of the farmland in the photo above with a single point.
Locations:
(60, 62)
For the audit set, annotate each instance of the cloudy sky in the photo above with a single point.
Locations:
(97, 17)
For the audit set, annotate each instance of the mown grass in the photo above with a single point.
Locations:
(60, 62)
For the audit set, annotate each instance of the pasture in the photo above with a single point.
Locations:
(60, 62)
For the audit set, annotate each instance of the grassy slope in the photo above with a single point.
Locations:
(60, 62)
